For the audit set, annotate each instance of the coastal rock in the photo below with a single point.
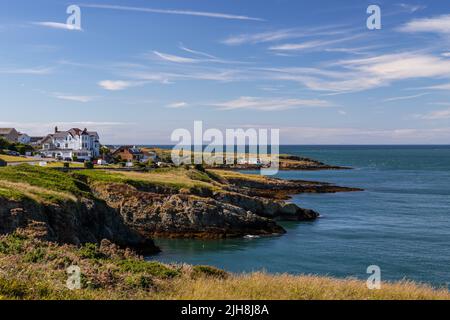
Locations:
(83, 221)
(267, 207)
(183, 215)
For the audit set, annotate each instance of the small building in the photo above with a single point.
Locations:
(36, 141)
(128, 153)
(24, 138)
(9, 134)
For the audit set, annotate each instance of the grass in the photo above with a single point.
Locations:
(8, 158)
(174, 178)
(41, 181)
(34, 269)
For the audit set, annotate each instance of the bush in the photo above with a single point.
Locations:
(91, 251)
(35, 256)
(3, 163)
(152, 268)
(88, 165)
(207, 271)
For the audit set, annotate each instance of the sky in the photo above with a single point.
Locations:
(137, 70)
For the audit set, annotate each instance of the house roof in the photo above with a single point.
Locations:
(132, 150)
(5, 131)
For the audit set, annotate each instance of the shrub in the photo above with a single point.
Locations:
(12, 244)
(3, 163)
(200, 167)
(12, 288)
(88, 165)
(91, 251)
(139, 281)
(152, 268)
(35, 256)
(207, 271)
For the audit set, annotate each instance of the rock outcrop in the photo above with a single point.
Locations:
(183, 215)
(83, 221)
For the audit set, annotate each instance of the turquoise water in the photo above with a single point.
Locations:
(400, 223)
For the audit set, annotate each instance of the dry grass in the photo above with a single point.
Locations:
(8, 158)
(38, 194)
(261, 286)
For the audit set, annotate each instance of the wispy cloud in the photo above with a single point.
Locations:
(177, 105)
(117, 85)
(445, 86)
(314, 44)
(353, 75)
(174, 12)
(435, 115)
(75, 98)
(406, 97)
(174, 58)
(438, 24)
(269, 104)
(57, 25)
(199, 53)
(28, 71)
(411, 8)
(282, 34)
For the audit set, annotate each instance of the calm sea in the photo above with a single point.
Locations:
(400, 223)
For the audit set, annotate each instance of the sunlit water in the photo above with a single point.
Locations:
(400, 223)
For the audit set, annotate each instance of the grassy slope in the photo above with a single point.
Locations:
(31, 269)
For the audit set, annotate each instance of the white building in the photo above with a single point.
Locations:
(75, 143)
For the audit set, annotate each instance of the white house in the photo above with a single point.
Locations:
(74, 143)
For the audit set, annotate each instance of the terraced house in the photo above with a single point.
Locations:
(74, 144)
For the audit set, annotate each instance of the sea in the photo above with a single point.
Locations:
(400, 223)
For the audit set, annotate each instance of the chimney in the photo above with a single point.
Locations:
(56, 129)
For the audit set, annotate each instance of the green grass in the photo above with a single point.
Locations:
(45, 178)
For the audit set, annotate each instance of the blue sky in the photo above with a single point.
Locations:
(139, 69)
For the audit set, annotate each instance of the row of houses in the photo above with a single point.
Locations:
(12, 135)
(75, 144)
(71, 144)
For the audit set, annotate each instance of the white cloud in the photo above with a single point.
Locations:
(57, 25)
(411, 8)
(173, 58)
(314, 44)
(282, 34)
(174, 12)
(269, 104)
(362, 74)
(116, 85)
(435, 115)
(177, 105)
(405, 97)
(199, 53)
(82, 99)
(438, 24)
(445, 86)
(29, 71)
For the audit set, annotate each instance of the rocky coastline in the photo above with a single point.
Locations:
(131, 208)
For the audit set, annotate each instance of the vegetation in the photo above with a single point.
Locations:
(35, 269)
(15, 146)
